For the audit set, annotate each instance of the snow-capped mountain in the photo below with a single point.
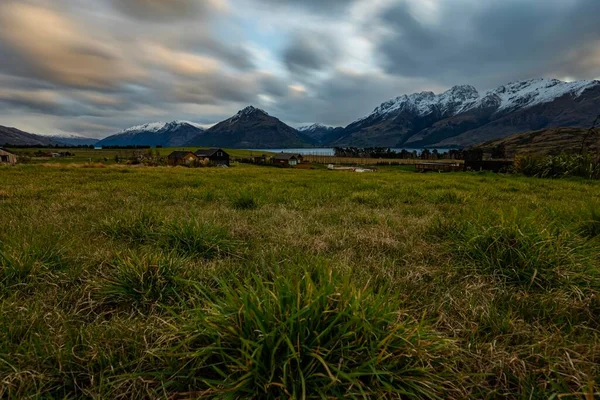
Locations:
(462, 116)
(321, 134)
(251, 128)
(166, 134)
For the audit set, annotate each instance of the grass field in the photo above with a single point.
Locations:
(254, 282)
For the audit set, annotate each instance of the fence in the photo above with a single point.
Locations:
(324, 159)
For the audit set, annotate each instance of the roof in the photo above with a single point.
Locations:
(4, 152)
(286, 156)
(208, 152)
(180, 154)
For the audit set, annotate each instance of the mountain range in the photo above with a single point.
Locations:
(459, 117)
(166, 134)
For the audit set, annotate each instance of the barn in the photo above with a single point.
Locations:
(287, 159)
(181, 158)
(7, 158)
(213, 156)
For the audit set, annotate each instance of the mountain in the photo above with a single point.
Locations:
(251, 128)
(321, 134)
(15, 137)
(550, 141)
(461, 117)
(166, 134)
(73, 140)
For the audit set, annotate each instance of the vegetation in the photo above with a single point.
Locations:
(250, 282)
(565, 165)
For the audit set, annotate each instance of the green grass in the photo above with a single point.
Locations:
(253, 282)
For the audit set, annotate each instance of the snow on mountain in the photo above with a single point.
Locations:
(159, 126)
(247, 112)
(450, 102)
(524, 94)
(459, 99)
(314, 127)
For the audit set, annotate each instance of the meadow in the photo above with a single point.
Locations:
(257, 282)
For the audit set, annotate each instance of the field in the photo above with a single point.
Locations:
(256, 282)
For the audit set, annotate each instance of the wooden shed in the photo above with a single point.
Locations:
(7, 158)
(182, 158)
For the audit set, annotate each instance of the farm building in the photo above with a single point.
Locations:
(182, 158)
(7, 158)
(287, 159)
(213, 156)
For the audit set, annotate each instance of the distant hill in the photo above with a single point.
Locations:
(252, 128)
(166, 134)
(550, 141)
(74, 140)
(16, 137)
(462, 117)
(322, 134)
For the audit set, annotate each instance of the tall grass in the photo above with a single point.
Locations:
(143, 281)
(564, 165)
(309, 336)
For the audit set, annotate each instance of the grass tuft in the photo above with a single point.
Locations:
(244, 201)
(311, 336)
(591, 227)
(143, 281)
(136, 228)
(200, 239)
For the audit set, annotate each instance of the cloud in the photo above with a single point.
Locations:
(57, 50)
(490, 43)
(310, 51)
(169, 10)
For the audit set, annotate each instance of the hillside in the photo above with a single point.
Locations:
(546, 142)
(461, 117)
(16, 137)
(166, 134)
(251, 128)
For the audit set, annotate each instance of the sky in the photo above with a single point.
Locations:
(94, 67)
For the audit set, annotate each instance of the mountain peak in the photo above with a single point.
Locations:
(250, 110)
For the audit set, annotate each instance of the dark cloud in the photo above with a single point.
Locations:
(325, 6)
(310, 51)
(163, 10)
(491, 43)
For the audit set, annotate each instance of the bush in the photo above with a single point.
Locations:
(316, 337)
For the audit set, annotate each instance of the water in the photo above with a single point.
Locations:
(324, 151)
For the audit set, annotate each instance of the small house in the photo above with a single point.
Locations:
(7, 158)
(287, 159)
(181, 158)
(213, 156)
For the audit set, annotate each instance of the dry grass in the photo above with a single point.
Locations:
(159, 282)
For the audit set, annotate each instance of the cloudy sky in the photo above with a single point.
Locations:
(93, 67)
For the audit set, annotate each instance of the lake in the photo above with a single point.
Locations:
(325, 151)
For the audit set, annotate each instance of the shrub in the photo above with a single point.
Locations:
(311, 336)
